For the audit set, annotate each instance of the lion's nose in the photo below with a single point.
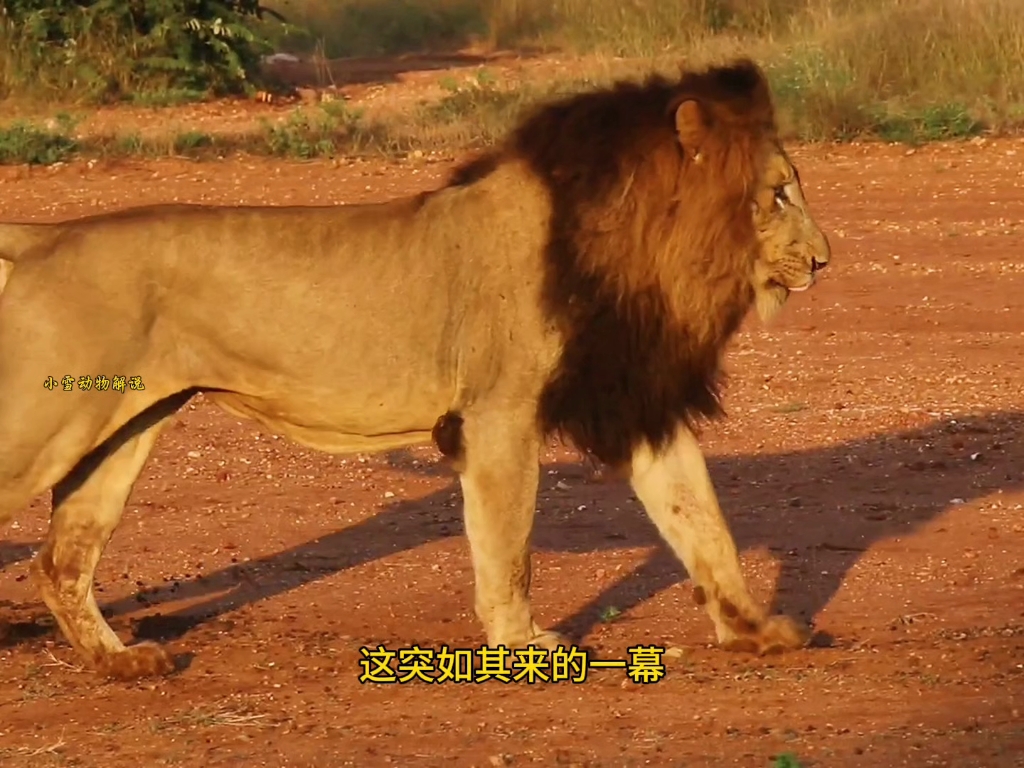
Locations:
(816, 265)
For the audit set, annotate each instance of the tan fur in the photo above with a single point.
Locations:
(300, 318)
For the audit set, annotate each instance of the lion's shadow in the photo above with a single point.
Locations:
(816, 510)
(11, 553)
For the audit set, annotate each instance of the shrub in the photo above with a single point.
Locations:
(105, 49)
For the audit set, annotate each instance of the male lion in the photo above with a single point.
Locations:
(581, 279)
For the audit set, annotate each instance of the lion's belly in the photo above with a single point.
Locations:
(377, 382)
(332, 433)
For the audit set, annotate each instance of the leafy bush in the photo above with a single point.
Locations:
(102, 49)
(24, 143)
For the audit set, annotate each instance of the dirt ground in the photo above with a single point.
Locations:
(870, 466)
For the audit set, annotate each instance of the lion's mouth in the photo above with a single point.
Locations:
(800, 288)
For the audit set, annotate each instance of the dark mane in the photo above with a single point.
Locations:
(649, 251)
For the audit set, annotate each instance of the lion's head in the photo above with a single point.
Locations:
(674, 209)
(793, 248)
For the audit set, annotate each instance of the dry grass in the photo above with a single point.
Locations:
(222, 716)
(468, 115)
(905, 70)
(899, 69)
(382, 27)
(933, 68)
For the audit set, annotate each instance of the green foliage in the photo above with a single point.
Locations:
(24, 143)
(301, 136)
(191, 140)
(935, 123)
(786, 760)
(332, 129)
(610, 613)
(105, 49)
(462, 103)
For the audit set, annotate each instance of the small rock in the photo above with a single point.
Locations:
(674, 652)
(194, 454)
(388, 495)
(562, 486)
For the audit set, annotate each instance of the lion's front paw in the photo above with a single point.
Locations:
(144, 659)
(550, 640)
(775, 634)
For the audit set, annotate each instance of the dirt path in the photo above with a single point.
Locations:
(871, 467)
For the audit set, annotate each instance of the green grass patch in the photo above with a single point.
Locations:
(24, 143)
(166, 97)
(609, 614)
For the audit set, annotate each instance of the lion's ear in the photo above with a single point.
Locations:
(692, 126)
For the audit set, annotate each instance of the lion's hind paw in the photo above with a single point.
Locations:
(143, 659)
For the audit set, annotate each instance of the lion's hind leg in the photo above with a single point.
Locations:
(87, 507)
(675, 489)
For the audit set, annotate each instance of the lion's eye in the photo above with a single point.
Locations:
(781, 198)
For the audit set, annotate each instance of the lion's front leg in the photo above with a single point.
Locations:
(499, 478)
(675, 489)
